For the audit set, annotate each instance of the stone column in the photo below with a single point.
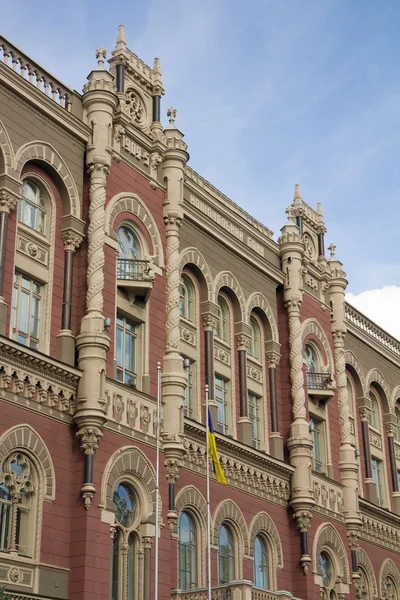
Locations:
(245, 426)
(210, 319)
(390, 425)
(8, 202)
(100, 101)
(173, 377)
(147, 543)
(300, 442)
(348, 462)
(66, 339)
(370, 487)
(276, 440)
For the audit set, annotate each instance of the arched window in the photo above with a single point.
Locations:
(226, 556)
(124, 566)
(17, 494)
(350, 396)
(311, 359)
(33, 207)
(261, 564)
(325, 568)
(128, 264)
(222, 330)
(397, 434)
(186, 298)
(373, 415)
(254, 343)
(363, 589)
(187, 553)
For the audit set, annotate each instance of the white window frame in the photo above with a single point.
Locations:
(222, 427)
(18, 293)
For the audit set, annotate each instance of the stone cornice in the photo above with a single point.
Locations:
(380, 526)
(386, 516)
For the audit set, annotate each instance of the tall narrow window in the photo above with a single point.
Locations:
(325, 567)
(129, 265)
(226, 556)
(221, 400)
(261, 564)
(222, 330)
(377, 477)
(17, 488)
(311, 359)
(186, 298)
(187, 552)
(27, 296)
(32, 207)
(373, 415)
(123, 550)
(126, 350)
(317, 436)
(254, 416)
(189, 391)
(397, 434)
(254, 343)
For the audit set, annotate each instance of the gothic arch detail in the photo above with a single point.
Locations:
(312, 327)
(390, 570)
(375, 376)
(127, 202)
(194, 257)
(130, 464)
(42, 151)
(364, 561)
(328, 537)
(189, 497)
(258, 300)
(262, 523)
(227, 279)
(395, 396)
(6, 148)
(229, 512)
(25, 438)
(352, 360)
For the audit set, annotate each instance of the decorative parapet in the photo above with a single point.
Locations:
(37, 380)
(380, 526)
(236, 590)
(371, 333)
(130, 412)
(34, 74)
(244, 468)
(328, 496)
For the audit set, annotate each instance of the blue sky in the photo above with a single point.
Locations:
(269, 93)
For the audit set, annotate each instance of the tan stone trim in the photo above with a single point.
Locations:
(25, 438)
(364, 561)
(131, 465)
(6, 148)
(327, 537)
(189, 499)
(312, 327)
(126, 201)
(228, 512)
(45, 152)
(375, 376)
(389, 569)
(192, 256)
(263, 523)
(353, 362)
(395, 396)
(227, 279)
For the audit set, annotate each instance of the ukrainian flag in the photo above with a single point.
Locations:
(212, 449)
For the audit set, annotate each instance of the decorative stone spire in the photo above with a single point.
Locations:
(101, 55)
(121, 40)
(171, 113)
(297, 194)
(332, 249)
(156, 67)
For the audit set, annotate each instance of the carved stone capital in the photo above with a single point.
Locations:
(364, 412)
(390, 429)
(173, 465)
(293, 306)
(338, 337)
(89, 438)
(303, 518)
(242, 341)
(352, 537)
(273, 359)
(156, 160)
(210, 321)
(72, 239)
(172, 223)
(8, 202)
(147, 541)
(98, 170)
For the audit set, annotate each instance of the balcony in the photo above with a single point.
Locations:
(236, 590)
(320, 386)
(136, 277)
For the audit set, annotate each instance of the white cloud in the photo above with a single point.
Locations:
(381, 306)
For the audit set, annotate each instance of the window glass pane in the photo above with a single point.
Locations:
(187, 552)
(126, 339)
(325, 568)
(222, 326)
(254, 416)
(261, 572)
(317, 445)
(23, 312)
(5, 521)
(188, 397)
(253, 348)
(311, 359)
(26, 310)
(125, 505)
(128, 244)
(225, 556)
(221, 400)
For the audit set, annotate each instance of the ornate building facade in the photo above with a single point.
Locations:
(117, 260)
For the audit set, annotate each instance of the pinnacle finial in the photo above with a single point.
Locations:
(319, 209)
(297, 194)
(101, 55)
(121, 41)
(332, 249)
(157, 68)
(171, 113)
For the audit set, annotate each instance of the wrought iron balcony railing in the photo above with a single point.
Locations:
(134, 270)
(319, 381)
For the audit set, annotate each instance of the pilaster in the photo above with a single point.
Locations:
(8, 202)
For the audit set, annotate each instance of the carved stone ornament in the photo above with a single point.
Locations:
(118, 132)
(173, 465)
(156, 160)
(132, 106)
(14, 575)
(33, 250)
(89, 439)
(209, 322)
(72, 240)
(273, 359)
(242, 341)
(352, 536)
(303, 519)
(308, 246)
(7, 201)
(390, 429)
(364, 413)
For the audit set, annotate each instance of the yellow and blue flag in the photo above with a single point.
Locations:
(212, 449)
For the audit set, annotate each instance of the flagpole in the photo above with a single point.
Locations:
(208, 500)
(158, 427)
